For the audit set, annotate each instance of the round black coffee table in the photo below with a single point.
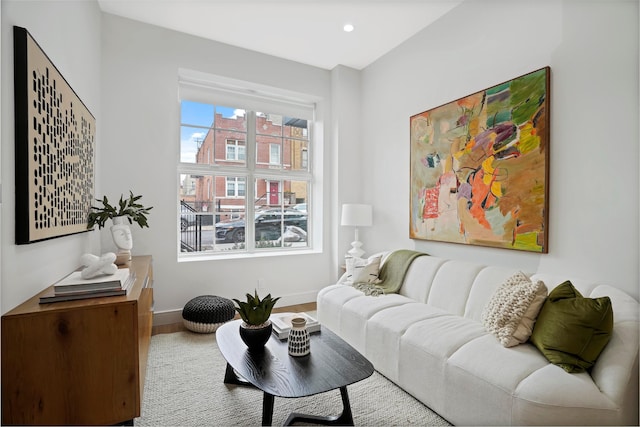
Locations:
(332, 364)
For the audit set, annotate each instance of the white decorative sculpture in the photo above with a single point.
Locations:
(121, 234)
(98, 266)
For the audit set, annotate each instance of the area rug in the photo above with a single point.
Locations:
(184, 387)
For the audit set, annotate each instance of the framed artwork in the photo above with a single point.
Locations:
(480, 167)
(54, 144)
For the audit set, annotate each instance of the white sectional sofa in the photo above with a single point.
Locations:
(429, 339)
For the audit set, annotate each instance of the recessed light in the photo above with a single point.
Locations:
(348, 28)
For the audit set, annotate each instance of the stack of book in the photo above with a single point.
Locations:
(282, 323)
(74, 287)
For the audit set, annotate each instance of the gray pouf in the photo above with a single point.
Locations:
(204, 314)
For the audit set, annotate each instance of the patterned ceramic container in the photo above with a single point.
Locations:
(299, 342)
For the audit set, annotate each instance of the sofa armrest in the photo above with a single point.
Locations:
(615, 367)
(617, 364)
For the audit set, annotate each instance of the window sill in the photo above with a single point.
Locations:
(243, 255)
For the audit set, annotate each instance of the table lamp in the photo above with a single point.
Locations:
(356, 215)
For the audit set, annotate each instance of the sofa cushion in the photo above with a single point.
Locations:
(513, 308)
(386, 328)
(571, 331)
(481, 377)
(550, 396)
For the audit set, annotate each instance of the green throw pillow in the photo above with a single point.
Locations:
(571, 331)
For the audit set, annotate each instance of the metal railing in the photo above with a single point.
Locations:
(190, 229)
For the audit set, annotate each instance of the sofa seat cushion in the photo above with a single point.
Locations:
(571, 399)
(483, 376)
(520, 377)
(424, 348)
(386, 328)
(357, 311)
(330, 301)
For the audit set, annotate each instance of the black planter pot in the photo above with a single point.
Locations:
(255, 338)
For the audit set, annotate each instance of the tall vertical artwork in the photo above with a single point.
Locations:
(54, 142)
(479, 167)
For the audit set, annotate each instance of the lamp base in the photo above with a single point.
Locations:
(356, 250)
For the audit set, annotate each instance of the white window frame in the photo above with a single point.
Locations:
(275, 154)
(220, 91)
(239, 146)
(235, 180)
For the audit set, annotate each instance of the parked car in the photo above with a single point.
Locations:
(302, 207)
(268, 225)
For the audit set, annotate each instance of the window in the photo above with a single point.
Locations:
(235, 150)
(244, 171)
(274, 154)
(235, 187)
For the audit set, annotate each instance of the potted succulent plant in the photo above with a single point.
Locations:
(126, 210)
(256, 327)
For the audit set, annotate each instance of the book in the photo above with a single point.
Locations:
(75, 283)
(282, 323)
(52, 295)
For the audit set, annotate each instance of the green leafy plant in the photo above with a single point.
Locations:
(129, 208)
(255, 311)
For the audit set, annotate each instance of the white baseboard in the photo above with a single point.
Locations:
(295, 299)
(169, 317)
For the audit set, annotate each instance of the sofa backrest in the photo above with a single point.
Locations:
(464, 288)
(459, 287)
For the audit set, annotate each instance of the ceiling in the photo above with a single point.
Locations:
(306, 31)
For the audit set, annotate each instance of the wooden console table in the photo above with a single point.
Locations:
(78, 362)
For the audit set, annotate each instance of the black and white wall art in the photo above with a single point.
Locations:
(54, 143)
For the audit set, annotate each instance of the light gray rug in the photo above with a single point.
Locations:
(184, 387)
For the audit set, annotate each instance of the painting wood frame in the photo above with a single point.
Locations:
(480, 167)
(54, 144)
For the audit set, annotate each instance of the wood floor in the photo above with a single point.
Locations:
(178, 327)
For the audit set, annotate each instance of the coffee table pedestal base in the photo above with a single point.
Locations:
(344, 419)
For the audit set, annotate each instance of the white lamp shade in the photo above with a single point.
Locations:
(357, 215)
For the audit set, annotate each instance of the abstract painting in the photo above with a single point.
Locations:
(480, 167)
(54, 142)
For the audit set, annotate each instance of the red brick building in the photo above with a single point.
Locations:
(282, 144)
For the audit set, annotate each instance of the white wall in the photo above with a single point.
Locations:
(141, 144)
(69, 33)
(346, 160)
(592, 49)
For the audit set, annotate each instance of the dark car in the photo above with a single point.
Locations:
(268, 225)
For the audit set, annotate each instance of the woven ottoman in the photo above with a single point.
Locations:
(204, 314)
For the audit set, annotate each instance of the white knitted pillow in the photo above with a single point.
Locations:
(512, 310)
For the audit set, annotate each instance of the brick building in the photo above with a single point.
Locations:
(282, 144)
